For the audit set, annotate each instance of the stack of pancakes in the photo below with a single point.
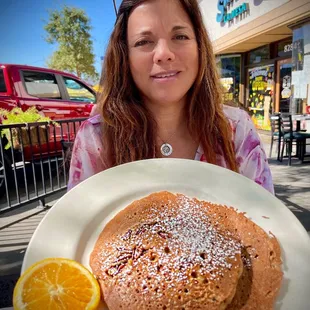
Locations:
(169, 251)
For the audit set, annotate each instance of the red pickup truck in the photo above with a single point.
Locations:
(57, 94)
(60, 96)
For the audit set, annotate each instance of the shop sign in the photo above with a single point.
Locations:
(224, 16)
(227, 84)
(257, 73)
(259, 83)
(298, 55)
(288, 48)
(286, 87)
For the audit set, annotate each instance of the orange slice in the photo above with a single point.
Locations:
(56, 283)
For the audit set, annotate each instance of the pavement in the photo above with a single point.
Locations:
(292, 186)
(16, 230)
(291, 183)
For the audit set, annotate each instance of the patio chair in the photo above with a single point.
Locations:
(67, 147)
(290, 137)
(276, 134)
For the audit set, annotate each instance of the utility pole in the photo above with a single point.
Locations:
(114, 3)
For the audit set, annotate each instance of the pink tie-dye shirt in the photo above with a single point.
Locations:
(252, 161)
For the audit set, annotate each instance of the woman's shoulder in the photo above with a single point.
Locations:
(240, 122)
(90, 131)
(235, 114)
(92, 124)
(94, 120)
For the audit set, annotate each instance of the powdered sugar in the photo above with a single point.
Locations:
(182, 229)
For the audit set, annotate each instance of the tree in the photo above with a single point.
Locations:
(70, 29)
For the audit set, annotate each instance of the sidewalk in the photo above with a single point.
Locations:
(291, 183)
(292, 186)
(16, 230)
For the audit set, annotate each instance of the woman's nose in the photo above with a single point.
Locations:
(163, 52)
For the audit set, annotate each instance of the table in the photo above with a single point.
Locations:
(299, 118)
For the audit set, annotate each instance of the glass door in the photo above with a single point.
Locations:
(260, 95)
(284, 86)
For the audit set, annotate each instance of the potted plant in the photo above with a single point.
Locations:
(22, 135)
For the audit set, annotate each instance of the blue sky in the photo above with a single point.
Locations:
(22, 28)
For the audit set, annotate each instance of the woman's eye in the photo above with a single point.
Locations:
(181, 37)
(142, 43)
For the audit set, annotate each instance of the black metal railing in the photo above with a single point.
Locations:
(35, 160)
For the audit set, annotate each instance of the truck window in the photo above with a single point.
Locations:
(2, 82)
(78, 92)
(41, 84)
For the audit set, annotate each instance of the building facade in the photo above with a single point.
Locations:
(262, 49)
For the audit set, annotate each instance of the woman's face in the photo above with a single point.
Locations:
(163, 52)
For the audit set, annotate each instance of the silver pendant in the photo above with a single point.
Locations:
(166, 149)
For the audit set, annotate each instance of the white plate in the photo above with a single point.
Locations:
(71, 227)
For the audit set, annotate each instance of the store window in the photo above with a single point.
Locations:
(259, 55)
(260, 95)
(301, 70)
(229, 69)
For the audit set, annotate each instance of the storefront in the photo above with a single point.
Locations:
(263, 54)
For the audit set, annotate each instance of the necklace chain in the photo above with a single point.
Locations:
(164, 141)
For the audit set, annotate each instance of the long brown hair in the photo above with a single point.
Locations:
(129, 129)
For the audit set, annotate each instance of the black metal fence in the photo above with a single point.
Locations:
(35, 159)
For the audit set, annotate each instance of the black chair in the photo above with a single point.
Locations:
(67, 147)
(276, 133)
(290, 137)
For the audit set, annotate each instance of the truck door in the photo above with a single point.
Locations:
(42, 91)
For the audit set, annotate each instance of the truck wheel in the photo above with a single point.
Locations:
(8, 170)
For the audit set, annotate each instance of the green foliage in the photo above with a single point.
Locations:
(70, 29)
(18, 116)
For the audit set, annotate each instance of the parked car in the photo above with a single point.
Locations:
(55, 93)
(60, 96)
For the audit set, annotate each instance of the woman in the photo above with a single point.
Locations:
(161, 98)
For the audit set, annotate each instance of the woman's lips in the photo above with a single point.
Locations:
(165, 76)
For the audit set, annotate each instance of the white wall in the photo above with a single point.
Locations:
(257, 8)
